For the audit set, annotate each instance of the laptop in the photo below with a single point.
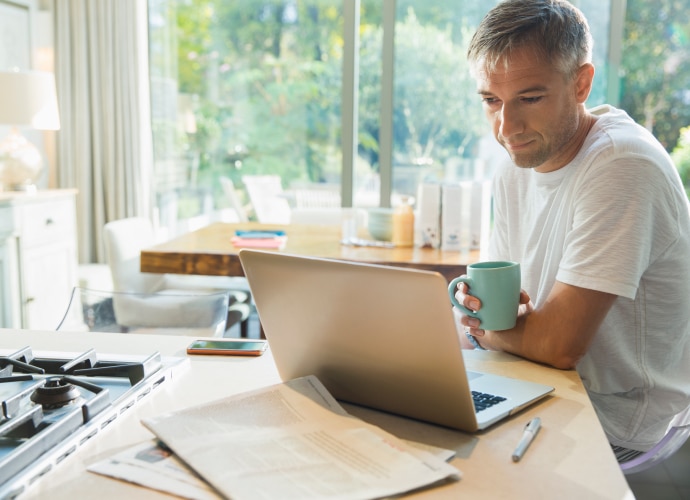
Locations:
(377, 336)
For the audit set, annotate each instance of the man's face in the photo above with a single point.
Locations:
(533, 110)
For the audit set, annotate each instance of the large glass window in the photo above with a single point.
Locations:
(439, 131)
(245, 88)
(242, 88)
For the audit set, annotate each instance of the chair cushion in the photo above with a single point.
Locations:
(170, 309)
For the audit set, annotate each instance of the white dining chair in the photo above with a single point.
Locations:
(124, 240)
(163, 313)
(267, 198)
(234, 199)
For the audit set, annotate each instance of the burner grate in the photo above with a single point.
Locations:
(86, 394)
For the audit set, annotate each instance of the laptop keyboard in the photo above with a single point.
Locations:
(482, 400)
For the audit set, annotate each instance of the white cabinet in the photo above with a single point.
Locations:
(38, 257)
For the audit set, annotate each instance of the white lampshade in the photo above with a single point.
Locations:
(28, 98)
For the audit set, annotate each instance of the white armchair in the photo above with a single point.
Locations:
(199, 315)
(124, 240)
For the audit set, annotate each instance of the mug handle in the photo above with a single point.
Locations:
(452, 288)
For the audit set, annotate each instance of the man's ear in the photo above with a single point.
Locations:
(583, 82)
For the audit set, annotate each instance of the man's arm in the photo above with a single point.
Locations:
(559, 332)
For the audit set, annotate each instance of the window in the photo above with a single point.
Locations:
(437, 127)
(256, 87)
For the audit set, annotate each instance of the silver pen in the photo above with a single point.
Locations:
(531, 430)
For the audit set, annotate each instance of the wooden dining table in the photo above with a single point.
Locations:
(209, 251)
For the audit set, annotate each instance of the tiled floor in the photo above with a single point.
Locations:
(670, 480)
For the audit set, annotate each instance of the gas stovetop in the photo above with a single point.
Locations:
(54, 403)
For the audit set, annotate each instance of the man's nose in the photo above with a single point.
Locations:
(511, 121)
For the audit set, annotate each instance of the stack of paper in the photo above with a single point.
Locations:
(293, 440)
(260, 239)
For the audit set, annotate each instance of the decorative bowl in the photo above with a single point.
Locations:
(380, 223)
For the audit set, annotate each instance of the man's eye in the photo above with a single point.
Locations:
(489, 100)
(531, 100)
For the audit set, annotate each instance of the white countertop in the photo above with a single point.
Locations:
(569, 459)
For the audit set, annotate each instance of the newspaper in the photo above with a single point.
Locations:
(294, 440)
(152, 465)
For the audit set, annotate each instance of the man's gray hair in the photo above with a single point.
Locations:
(556, 30)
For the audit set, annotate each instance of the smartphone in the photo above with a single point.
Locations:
(228, 347)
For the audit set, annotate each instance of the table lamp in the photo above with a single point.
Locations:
(27, 99)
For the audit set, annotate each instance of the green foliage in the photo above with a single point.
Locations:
(280, 76)
(194, 49)
(656, 66)
(436, 105)
(436, 110)
(267, 76)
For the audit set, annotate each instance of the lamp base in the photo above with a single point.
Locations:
(20, 163)
(28, 188)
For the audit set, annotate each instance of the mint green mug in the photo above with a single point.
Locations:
(497, 285)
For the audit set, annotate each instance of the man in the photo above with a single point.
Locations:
(594, 210)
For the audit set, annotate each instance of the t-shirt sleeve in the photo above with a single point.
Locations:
(624, 217)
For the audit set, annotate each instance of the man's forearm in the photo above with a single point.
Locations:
(559, 332)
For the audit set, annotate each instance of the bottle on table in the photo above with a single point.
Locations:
(403, 224)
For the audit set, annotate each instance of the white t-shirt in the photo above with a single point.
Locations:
(615, 219)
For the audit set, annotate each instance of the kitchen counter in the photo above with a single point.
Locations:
(570, 457)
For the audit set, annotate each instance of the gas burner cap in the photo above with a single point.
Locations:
(55, 393)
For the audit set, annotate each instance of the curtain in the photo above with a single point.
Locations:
(104, 148)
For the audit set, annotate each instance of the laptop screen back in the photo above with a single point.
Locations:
(376, 336)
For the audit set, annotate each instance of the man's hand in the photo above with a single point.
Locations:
(557, 333)
(472, 325)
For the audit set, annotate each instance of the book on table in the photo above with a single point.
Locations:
(276, 239)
